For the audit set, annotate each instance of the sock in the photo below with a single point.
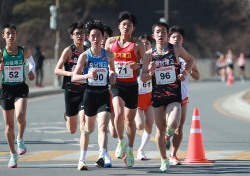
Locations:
(144, 140)
(121, 140)
(83, 155)
(102, 151)
(129, 148)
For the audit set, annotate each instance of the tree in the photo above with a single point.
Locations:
(32, 19)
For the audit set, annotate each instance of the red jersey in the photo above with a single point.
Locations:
(122, 57)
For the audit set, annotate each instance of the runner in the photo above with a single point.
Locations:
(144, 117)
(177, 36)
(242, 63)
(74, 91)
(99, 65)
(14, 92)
(108, 32)
(161, 64)
(128, 51)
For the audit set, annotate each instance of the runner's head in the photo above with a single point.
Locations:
(147, 41)
(176, 35)
(77, 32)
(95, 32)
(9, 33)
(125, 15)
(160, 32)
(108, 32)
(127, 22)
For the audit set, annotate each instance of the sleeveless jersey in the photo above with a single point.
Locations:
(166, 86)
(13, 72)
(184, 84)
(101, 66)
(122, 56)
(70, 66)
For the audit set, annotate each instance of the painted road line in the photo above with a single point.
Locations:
(240, 156)
(53, 165)
(45, 156)
(73, 155)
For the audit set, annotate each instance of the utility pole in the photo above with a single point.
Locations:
(166, 9)
(165, 12)
(54, 21)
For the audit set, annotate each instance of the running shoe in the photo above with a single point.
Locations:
(168, 143)
(141, 155)
(13, 161)
(107, 160)
(21, 149)
(82, 165)
(164, 165)
(129, 159)
(104, 161)
(100, 161)
(173, 160)
(121, 149)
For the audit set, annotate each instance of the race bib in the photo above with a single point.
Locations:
(13, 73)
(144, 87)
(101, 79)
(165, 75)
(123, 70)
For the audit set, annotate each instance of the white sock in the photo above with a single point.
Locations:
(102, 151)
(129, 148)
(83, 154)
(121, 140)
(144, 140)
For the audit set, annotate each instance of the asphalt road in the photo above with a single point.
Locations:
(53, 151)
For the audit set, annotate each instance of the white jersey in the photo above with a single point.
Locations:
(184, 84)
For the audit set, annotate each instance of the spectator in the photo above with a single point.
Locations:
(241, 64)
(39, 58)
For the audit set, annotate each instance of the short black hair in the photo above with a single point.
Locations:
(125, 15)
(8, 25)
(76, 25)
(179, 29)
(94, 24)
(159, 23)
(147, 37)
(108, 30)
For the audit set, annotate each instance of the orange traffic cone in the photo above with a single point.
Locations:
(230, 79)
(195, 152)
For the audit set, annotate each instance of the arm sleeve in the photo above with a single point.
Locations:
(32, 64)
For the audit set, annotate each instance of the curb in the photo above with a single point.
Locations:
(43, 92)
(227, 105)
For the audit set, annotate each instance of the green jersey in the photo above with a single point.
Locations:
(14, 67)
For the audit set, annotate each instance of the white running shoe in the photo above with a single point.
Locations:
(141, 155)
(82, 165)
(13, 161)
(164, 165)
(104, 161)
(107, 160)
(173, 160)
(21, 148)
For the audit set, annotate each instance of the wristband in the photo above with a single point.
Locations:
(151, 74)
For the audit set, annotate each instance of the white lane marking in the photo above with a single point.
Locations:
(51, 165)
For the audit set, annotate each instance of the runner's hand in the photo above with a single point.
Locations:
(31, 76)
